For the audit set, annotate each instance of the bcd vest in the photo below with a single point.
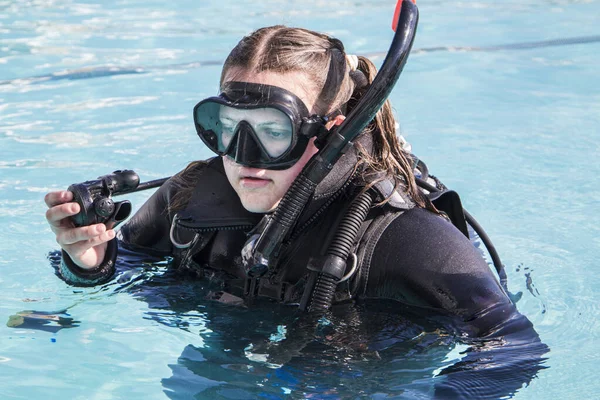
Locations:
(210, 232)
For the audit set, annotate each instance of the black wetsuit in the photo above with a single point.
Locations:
(419, 258)
(407, 254)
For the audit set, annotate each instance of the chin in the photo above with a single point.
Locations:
(258, 205)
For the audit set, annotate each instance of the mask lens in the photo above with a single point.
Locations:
(208, 125)
(271, 127)
(218, 124)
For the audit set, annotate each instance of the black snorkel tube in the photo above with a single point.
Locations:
(262, 248)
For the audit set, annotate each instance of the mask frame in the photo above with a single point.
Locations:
(245, 147)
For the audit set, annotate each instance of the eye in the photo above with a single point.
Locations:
(278, 134)
(227, 127)
(226, 135)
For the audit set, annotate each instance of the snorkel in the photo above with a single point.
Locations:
(261, 250)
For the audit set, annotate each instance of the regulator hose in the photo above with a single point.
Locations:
(328, 271)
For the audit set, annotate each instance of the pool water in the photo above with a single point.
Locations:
(501, 99)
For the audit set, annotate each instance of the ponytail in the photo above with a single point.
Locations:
(387, 155)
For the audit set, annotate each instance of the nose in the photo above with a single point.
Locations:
(247, 149)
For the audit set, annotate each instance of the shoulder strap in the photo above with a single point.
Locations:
(367, 246)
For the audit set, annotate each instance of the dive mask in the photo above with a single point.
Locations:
(259, 126)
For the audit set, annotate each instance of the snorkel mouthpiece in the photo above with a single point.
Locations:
(260, 252)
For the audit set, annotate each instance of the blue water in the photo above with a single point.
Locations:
(90, 87)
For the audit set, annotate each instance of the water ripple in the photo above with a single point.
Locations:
(41, 164)
(104, 103)
(60, 139)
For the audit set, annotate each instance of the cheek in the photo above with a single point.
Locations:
(229, 167)
(310, 151)
(285, 178)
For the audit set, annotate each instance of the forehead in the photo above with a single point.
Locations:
(253, 116)
(296, 82)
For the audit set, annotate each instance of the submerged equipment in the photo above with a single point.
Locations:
(261, 250)
(258, 126)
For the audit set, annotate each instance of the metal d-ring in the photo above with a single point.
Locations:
(352, 270)
(172, 236)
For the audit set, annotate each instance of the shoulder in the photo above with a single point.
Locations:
(421, 236)
(422, 259)
(177, 190)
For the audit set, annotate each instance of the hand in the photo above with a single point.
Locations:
(85, 245)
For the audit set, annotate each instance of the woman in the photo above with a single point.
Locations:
(406, 250)
(419, 258)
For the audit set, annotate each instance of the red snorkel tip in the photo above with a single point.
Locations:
(397, 13)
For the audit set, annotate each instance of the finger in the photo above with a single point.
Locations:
(81, 247)
(74, 235)
(54, 198)
(55, 215)
(335, 121)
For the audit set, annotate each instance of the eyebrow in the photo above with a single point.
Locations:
(227, 119)
(266, 124)
(261, 125)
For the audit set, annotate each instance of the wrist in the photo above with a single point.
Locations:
(86, 276)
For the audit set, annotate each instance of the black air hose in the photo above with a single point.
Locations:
(334, 262)
(278, 225)
(293, 202)
(490, 248)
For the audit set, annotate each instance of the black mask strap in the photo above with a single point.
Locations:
(335, 77)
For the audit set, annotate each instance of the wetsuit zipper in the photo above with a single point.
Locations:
(224, 228)
(217, 228)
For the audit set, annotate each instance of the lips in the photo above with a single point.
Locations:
(253, 178)
(252, 173)
(253, 183)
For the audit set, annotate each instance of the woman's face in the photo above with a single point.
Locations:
(260, 190)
